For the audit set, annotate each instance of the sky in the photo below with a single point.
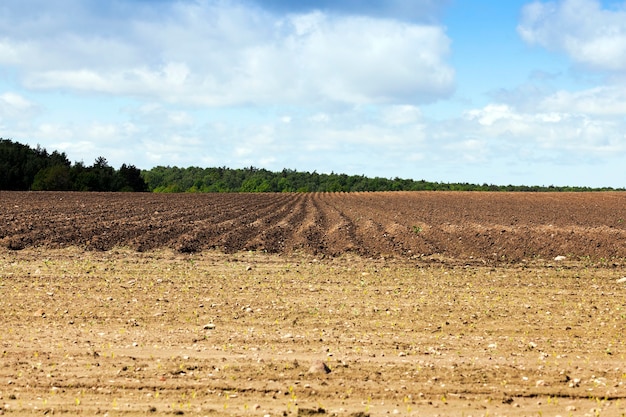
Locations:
(500, 92)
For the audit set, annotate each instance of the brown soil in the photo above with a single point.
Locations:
(418, 304)
(466, 227)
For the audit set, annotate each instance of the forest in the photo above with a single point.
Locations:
(167, 179)
(25, 168)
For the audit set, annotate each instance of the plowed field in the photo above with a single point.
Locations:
(348, 305)
(456, 226)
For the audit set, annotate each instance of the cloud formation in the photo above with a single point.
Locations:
(590, 34)
(607, 100)
(575, 134)
(224, 53)
(388, 88)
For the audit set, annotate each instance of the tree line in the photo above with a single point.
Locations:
(24, 168)
(165, 179)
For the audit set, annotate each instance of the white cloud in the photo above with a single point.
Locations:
(492, 113)
(110, 133)
(589, 34)
(361, 60)
(472, 151)
(156, 114)
(16, 115)
(599, 101)
(421, 148)
(13, 105)
(224, 53)
(402, 114)
(338, 88)
(8, 52)
(258, 143)
(54, 132)
(565, 134)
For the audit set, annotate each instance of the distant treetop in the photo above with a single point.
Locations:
(165, 179)
(25, 168)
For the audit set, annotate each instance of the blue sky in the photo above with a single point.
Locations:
(515, 92)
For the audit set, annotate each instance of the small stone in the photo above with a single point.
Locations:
(209, 326)
(574, 383)
(621, 280)
(319, 367)
(560, 258)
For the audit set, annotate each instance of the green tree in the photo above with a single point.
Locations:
(128, 178)
(54, 178)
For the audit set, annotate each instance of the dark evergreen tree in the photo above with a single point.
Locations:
(25, 168)
(128, 178)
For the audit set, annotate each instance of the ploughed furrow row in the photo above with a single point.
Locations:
(138, 229)
(165, 222)
(233, 230)
(250, 227)
(213, 211)
(93, 220)
(501, 226)
(164, 226)
(104, 220)
(339, 235)
(400, 224)
(417, 224)
(368, 229)
(58, 219)
(510, 226)
(277, 236)
(414, 224)
(309, 231)
(486, 226)
(37, 217)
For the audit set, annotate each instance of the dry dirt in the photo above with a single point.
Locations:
(417, 303)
